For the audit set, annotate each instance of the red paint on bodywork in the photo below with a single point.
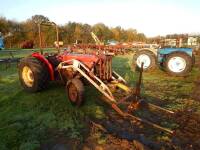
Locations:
(87, 59)
(44, 60)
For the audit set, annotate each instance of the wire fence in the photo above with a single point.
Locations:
(9, 59)
(8, 68)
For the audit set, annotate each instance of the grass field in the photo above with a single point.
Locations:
(27, 119)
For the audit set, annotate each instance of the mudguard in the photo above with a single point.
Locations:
(1, 43)
(166, 51)
(47, 63)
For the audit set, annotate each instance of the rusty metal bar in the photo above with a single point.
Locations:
(107, 68)
(100, 69)
(138, 84)
(40, 38)
(131, 117)
(104, 69)
(110, 66)
(149, 123)
(118, 110)
(57, 38)
(160, 108)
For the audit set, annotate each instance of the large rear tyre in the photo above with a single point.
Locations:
(178, 64)
(145, 56)
(75, 91)
(33, 74)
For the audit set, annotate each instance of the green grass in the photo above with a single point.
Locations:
(19, 53)
(25, 119)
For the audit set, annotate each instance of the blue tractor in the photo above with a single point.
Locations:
(1, 42)
(176, 61)
(2, 39)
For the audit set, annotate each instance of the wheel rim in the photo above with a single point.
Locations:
(27, 76)
(177, 64)
(143, 59)
(72, 92)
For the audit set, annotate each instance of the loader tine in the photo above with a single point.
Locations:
(160, 108)
(118, 110)
(131, 117)
(149, 123)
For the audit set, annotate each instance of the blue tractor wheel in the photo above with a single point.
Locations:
(178, 64)
(146, 57)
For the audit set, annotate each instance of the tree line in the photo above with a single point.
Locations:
(68, 33)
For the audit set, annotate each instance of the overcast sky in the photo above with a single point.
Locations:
(152, 17)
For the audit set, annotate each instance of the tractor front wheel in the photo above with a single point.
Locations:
(178, 64)
(75, 91)
(146, 57)
(33, 74)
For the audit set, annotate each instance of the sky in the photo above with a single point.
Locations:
(151, 17)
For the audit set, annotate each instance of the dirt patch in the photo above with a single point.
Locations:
(134, 131)
(102, 138)
(196, 91)
(188, 133)
(115, 133)
(58, 140)
(113, 143)
(96, 139)
(186, 137)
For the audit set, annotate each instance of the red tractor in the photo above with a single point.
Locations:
(37, 70)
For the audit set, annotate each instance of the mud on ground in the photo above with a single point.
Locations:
(196, 92)
(113, 133)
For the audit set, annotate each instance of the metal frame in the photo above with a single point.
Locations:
(87, 73)
(43, 23)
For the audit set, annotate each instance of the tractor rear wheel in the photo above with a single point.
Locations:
(75, 91)
(145, 56)
(33, 74)
(178, 64)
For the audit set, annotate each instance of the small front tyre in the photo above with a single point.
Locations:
(75, 91)
(146, 57)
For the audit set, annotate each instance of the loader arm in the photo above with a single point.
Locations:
(88, 74)
(96, 39)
